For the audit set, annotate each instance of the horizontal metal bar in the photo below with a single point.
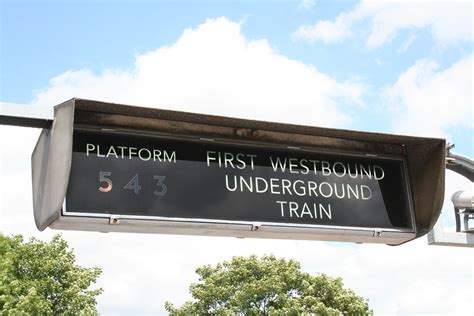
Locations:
(25, 122)
(247, 230)
(210, 131)
(211, 222)
(26, 115)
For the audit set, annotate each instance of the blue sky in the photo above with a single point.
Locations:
(394, 67)
(42, 39)
(51, 36)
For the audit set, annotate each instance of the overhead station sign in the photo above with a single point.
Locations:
(116, 168)
(182, 178)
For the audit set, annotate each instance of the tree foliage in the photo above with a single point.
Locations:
(38, 278)
(267, 286)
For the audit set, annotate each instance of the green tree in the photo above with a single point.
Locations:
(267, 286)
(38, 278)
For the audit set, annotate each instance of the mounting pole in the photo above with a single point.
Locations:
(463, 202)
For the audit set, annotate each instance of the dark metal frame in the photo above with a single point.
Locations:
(51, 161)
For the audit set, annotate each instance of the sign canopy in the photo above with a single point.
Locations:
(109, 167)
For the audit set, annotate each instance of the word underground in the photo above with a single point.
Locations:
(309, 188)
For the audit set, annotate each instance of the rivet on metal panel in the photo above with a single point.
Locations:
(255, 133)
(114, 220)
(256, 226)
(243, 132)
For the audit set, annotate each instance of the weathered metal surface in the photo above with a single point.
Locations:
(50, 163)
(425, 157)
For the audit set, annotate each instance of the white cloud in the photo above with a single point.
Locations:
(326, 31)
(214, 69)
(449, 22)
(406, 44)
(428, 102)
(306, 5)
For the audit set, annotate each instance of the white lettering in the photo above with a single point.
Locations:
(368, 173)
(274, 186)
(315, 168)
(312, 187)
(98, 152)
(227, 183)
(326, 168)
(327, 185)
(301, 188)
(293, 209)
(209, 158)
(304, 166)
(258, 188)
(89, 148)
(228, 158)
(157, 155)
(313, 210)
(281, 207)
(343, 173)
(140, 155)
(306, 211)
(354, 192)
(293, 165)
(171, 158)
(251, 160)
(122, 149)
(249, 184)
(286, 184)
(239, 158)
(132, 151)
(367, 190)
(278, 164)
(327, 212)
(380, 175)
(112, 150)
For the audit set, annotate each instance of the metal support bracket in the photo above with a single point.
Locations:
(438, 236)
(460, 164)
(461, 200)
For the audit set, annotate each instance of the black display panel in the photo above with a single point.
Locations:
(140, 175)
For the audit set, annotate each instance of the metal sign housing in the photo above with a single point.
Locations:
(109, 167)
